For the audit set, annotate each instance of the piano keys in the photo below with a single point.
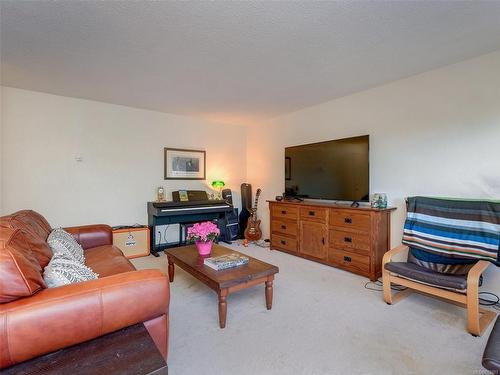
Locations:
(171, 208)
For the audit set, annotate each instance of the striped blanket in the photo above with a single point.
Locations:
(454, 228)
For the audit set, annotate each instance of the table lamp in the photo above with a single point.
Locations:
(218, 185)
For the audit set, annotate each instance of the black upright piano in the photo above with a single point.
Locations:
(165, 213)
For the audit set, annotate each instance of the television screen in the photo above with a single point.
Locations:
(334, 170)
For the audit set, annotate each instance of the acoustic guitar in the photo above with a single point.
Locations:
(253, 231)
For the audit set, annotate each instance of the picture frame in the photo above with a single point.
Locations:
(288, 168)
(184, 164)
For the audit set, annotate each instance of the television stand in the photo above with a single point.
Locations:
(355, 204)
(353, 239)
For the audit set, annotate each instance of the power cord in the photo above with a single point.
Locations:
(494, 302)
(378, 286)
(165, 233)
(159, 242)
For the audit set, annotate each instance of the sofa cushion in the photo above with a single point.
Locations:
(37, 230)
(107, 260)
(63, 269)
(61, 242)
(417, 273)
(20, 271)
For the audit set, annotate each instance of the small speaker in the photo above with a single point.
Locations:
(233, 231)
(227, 195)
(231, 227)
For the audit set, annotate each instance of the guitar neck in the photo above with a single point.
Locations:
(253, 210)
(256, 203)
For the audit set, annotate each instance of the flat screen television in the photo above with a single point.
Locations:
(332, 170)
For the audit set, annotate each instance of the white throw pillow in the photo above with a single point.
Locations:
(62, 242)
(63, 269)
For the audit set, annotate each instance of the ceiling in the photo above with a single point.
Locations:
(233, 62)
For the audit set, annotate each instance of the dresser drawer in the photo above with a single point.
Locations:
(313, 213)
(349, 219)
(282, 242)
(284, 226)
(349, 261)
(284, 211)
(356, 242)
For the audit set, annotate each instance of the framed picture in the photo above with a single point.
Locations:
(288, 168)
(183, 164)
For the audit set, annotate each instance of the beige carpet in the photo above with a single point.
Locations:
(323, 321)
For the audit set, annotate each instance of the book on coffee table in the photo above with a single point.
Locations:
(226, 261)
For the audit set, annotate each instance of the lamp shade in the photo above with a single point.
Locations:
(218, 184)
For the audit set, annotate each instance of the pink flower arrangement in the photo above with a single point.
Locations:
(203, 232)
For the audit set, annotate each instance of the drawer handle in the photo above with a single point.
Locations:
(347, 239)
(348, 220)
(323, 240)
(283, 242)
(312, 213)
(347, 259)
(283, 212)
(283, 227)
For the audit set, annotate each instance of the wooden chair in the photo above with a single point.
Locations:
(478, 318)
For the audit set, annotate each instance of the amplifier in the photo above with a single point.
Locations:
(133, 242)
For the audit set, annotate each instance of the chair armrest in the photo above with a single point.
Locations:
(59, 317)
(92, 235)
(388, 256)
(475, 272)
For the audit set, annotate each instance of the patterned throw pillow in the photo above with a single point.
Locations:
(62, 242)
(63, 269)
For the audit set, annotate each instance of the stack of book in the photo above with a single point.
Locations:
(226, 261)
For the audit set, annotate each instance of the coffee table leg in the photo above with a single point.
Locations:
(171, 270)
(222, 307)
(269, 292)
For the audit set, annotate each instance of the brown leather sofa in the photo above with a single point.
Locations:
(35, 320)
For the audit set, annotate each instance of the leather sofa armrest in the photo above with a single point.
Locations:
(92, 235)
(59, 317)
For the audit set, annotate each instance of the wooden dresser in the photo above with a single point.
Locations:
(354, 239)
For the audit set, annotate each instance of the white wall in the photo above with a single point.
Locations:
(122, 151)
(437, 133)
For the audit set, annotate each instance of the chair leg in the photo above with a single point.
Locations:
(389, 298)
(473, 311)
(386, 282)
(477, 319)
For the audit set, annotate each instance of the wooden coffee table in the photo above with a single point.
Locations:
(223, 282)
